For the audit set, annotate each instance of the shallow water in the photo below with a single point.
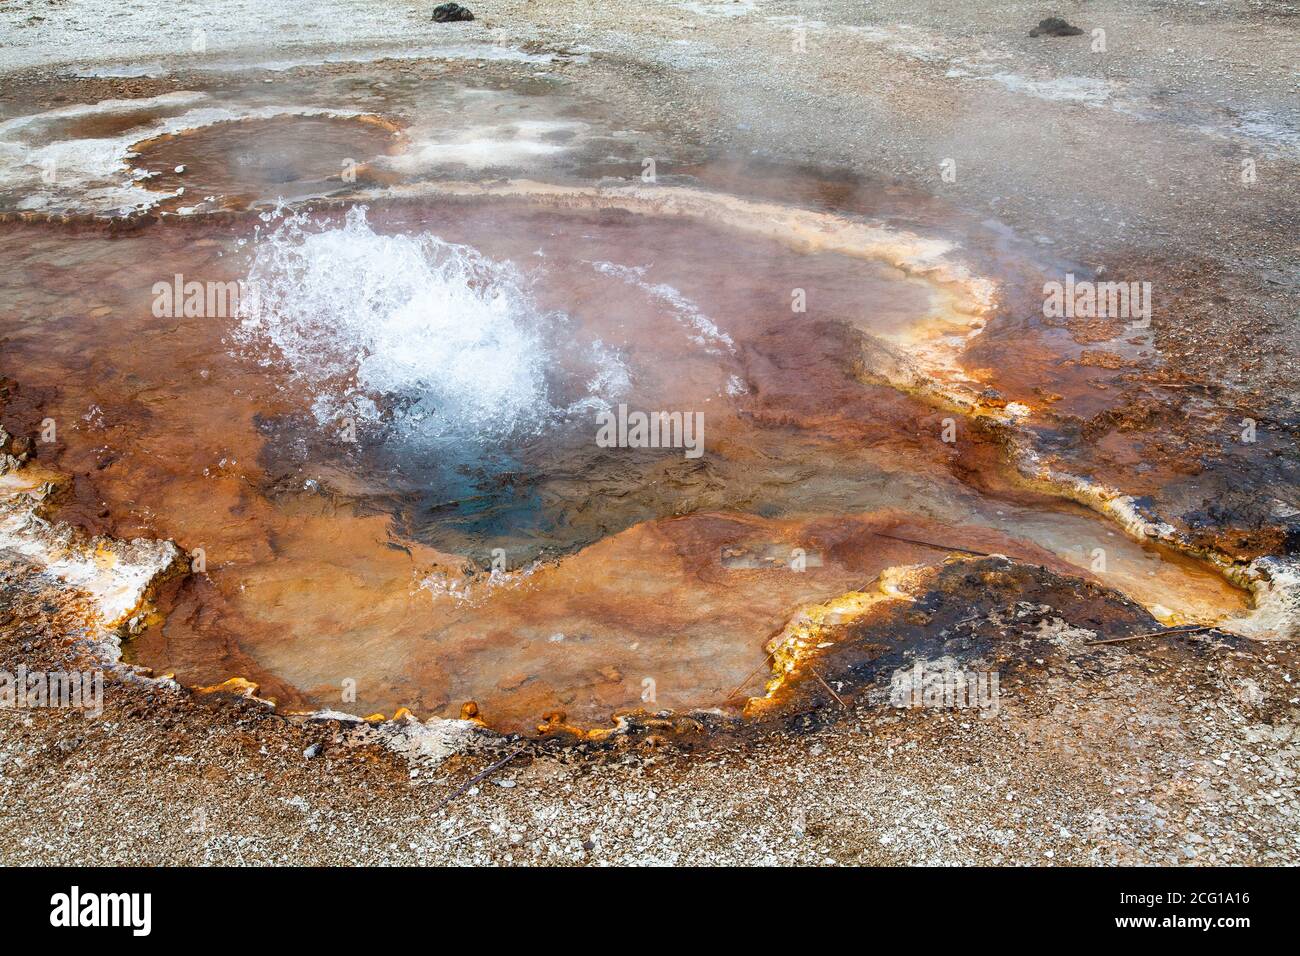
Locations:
(238, 162)
(383, 450)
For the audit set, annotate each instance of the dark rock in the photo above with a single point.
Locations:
(1051, 27)
(450, 13)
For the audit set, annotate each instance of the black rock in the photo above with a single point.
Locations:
(1051, 27)
(450, 13)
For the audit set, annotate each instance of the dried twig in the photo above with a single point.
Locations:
(769, 653)
(467, 833)
(750, 677)
(483, 775)
(456, 502)
(1165, 633)
(931, 544)
(828, 687)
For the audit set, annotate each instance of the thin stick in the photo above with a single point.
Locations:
(456, 502)
(1166, 633)
(930, 544)
(750, 677)
(769, 653)
(828, 687)
(480, 776)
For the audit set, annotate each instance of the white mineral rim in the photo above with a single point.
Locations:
(117, 576)
(118, 579)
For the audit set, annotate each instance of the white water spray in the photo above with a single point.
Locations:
(424, 336)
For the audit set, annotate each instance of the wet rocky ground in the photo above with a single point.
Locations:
(1130, 164)
(1161, 751)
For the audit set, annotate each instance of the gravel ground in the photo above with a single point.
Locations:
(1159, 751)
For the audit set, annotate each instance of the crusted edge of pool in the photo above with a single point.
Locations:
(120, 578)
(931, 372)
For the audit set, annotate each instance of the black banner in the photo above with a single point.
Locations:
(333, 905)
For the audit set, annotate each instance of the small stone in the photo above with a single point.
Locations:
(1054, 27)
(450, 13)
(313, 751)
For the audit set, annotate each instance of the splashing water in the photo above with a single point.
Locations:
(426, 338)
(700, 327)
